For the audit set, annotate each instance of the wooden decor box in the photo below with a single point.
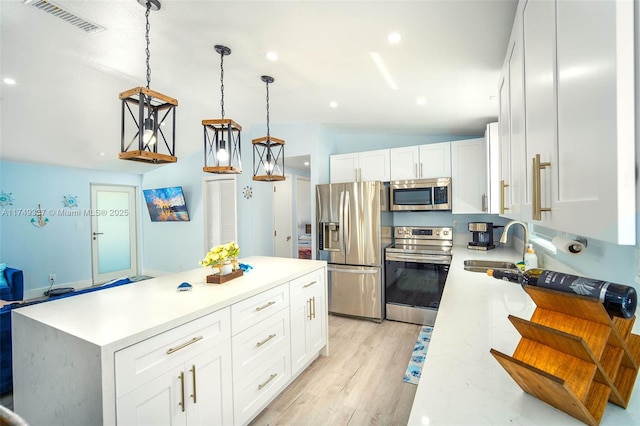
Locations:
(573, 355)
(221, 279)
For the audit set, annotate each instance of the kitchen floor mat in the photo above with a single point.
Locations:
(412, 375)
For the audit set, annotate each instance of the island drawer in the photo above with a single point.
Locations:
(258, 386)
(143, 361)
(257, 308)
(253, 346)
(306, 285)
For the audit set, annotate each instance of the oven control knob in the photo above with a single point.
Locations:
(438, 233)
(445, 232)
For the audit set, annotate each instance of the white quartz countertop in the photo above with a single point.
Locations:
(116, 317)
(461, 382)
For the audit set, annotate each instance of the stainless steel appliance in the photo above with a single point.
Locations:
(416, 269)
(420, 194)
(353, 229)
(482, 236)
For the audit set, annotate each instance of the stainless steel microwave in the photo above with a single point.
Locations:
(420, 194)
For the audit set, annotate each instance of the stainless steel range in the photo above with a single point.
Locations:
(416, 268)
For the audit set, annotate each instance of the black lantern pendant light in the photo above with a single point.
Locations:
(148, 117)
(268, 152)
(222, 135)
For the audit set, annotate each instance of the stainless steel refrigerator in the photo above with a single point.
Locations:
(353, 229)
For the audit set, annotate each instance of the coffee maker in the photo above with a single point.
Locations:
(482, 236)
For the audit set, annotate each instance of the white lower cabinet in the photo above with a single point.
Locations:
(179, 377)
(308, 322)
(223, 368)
(261, 354)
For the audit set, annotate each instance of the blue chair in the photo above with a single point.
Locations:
(15, 285)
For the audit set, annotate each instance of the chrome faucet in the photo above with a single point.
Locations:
(503, 237)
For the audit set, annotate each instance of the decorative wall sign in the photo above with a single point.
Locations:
(6, 199)
(248, 192)
(41, 221)
(70, 201)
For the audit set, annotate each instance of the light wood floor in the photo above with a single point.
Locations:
(360, 383)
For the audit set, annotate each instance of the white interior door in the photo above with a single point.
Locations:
(114, 232)
(220, 211)
(282, 223)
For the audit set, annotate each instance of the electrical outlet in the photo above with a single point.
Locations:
(52, 277)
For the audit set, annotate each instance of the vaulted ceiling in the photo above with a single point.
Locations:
(64, 108)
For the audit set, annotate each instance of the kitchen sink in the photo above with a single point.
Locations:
(483, 265)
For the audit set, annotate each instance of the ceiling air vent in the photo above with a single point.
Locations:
(58, 11)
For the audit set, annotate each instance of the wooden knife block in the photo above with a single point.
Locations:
(573, 355)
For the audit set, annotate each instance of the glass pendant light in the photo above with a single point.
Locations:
(268, 152)
(222, 135)
(147, 111)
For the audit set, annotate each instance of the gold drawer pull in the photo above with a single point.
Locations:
(184, 345)
(536, 197)
(309, 285)
(502, 206)
(273, 376)
(259, 308)
(271, 336)
(195, 387)
(181, 377)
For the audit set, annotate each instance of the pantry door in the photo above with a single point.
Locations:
(113, 232)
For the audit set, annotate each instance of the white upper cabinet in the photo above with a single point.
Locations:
(538, 20)
(595, 174)
(360, 166)
(469, 176)
(567, 105)
(405, 163)
(421, 162)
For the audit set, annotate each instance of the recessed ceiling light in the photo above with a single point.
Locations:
(102, 154)
(421, 100)
(333, 104)
(8, 80)
(394, 37)
(272, 56)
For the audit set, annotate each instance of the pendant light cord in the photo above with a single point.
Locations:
(222, 83)
(147, 51)
(268, 134)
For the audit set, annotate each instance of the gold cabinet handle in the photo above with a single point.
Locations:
(181, 377)
(271, 377)
(314, 307)
(259, 308)
(184, 345)
(310, 284)
(271, 336)
(536, 192)
(502, 187)
(195, 387)
(309, 303)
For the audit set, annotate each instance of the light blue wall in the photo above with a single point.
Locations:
(357, 142)
(59, 247)
(171, 247)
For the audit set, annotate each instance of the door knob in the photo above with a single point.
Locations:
(289, 238)
(97, 233)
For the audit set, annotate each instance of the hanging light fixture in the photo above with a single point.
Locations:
(222, 135)
(268, 152)
(145, 115)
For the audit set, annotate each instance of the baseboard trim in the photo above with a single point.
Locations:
(37, 293)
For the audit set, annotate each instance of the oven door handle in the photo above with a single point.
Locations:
(354, 271)
(438, 260)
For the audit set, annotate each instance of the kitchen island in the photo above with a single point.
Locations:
(461, 382)
(129, 354)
